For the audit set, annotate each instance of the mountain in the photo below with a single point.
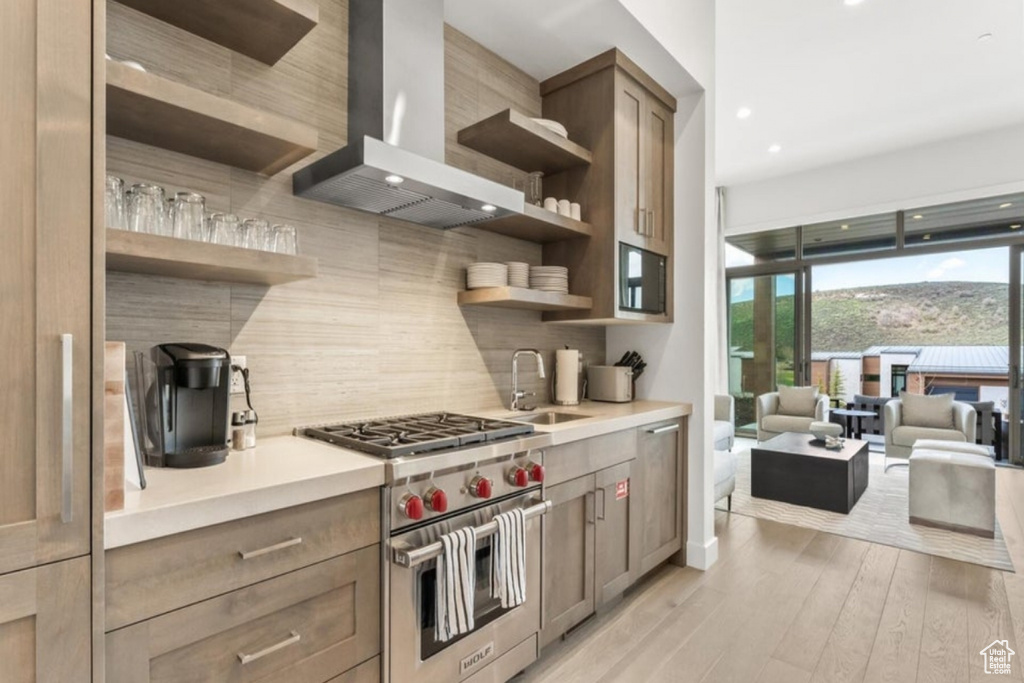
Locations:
(920, 314)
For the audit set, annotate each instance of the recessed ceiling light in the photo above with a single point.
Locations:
(394, 179)
(775, 149)
(926, 237)
(1015, 226)
(743, 113)
(844, 227)
(851, 3)
(1006, 205)
(917, 216)
(985, 37)
(489, 208)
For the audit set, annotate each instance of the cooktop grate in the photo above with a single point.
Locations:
(394, 437)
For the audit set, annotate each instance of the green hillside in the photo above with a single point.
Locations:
(921, 314)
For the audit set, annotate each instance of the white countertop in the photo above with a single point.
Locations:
(288, 470)
(280, 472)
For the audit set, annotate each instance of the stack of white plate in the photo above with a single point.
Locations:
(518, 274)
(550, 279)
(554, 126)
(480, 275)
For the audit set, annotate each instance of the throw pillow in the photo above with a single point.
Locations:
(935, 411)
(797, 401)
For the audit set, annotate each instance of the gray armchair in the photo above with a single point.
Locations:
(900, 437)
(770, 423)
(725, 422)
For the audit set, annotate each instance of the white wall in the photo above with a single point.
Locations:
(850, 369)
(979, 165)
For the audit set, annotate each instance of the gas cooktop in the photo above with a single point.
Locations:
(393, 437)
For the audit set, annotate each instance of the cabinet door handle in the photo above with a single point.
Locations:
(662, 430)
(67, 431)
(590, 507)
(290, 640)
(650, 222)
(602, 492)
(249, 554)
(637, 228)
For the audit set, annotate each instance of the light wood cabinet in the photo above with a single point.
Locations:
(616, 544)
(44, 624)
(610, 106)
(308, 625)
(661, 481)
(45, 266)
(568, 596)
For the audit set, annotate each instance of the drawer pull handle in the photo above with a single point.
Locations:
(290, 640)
(249, 554)
(662, 430)
(67, 434)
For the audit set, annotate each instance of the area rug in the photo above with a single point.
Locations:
(880, 516)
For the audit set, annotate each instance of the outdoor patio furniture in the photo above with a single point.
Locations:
(790, 409)
(876, 404)
(913, 417)
(953, 486)
(726, 463)
(725, 422)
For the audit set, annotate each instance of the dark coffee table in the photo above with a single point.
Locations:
(796, 468)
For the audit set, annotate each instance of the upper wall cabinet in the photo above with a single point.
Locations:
(611, 107)
(262, 29)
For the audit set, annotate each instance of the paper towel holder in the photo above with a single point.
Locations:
(566, 380)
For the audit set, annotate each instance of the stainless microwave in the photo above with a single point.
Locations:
(642, 280)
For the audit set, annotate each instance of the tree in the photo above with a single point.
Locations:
(836, 385)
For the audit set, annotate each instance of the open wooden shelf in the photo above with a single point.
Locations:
(134, 252)
(526, 299)
(159, 112)
(262, 29)
(537, 224)
(519, 141)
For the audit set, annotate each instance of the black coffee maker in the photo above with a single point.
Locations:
(187, 390)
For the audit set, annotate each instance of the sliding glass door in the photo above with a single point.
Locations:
(767, 322)
(1013, 412)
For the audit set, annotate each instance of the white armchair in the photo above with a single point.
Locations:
(725, 422)
(726, 464)
(901, 433)
(771, 421)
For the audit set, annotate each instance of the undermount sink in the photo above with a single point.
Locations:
(549, 417)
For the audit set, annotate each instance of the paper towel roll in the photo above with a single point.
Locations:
(567, 377)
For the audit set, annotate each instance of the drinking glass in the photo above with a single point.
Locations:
(189, 215)
(146, 208)
(225, 228)
(535, 186)
(284, 240)
(255, 232)
(113, 202)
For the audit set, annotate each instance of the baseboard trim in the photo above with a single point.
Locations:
(702, 556)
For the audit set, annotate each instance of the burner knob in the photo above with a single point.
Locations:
(518, 476)
(411, 506)
(536, 472)
(480, 487)
(437, 500)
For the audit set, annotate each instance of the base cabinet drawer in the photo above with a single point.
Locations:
(367, 672)
(158, 576)
(579, 458)
(308, 626)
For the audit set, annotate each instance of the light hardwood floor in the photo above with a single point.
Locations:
(791, 605)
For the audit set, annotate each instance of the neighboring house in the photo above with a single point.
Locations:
(998, 656)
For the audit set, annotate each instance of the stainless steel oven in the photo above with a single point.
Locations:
(503, 638)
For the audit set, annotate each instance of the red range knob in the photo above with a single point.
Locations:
(518, 476)
(480, 487)
(536, 472)
(411, 506)
(437, 500)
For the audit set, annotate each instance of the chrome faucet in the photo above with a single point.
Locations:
(516, 393)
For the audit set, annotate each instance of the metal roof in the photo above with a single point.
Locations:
(961, 360)
(879, 350)
(829, 355)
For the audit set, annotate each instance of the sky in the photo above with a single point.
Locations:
(980, 265)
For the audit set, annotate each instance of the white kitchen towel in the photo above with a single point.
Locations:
(456, 584)
(508, 559)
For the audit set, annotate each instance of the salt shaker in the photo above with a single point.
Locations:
(238, 431)
(250, 429)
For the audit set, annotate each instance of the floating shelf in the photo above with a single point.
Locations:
(519, 141)
(526, 299)
(134, 252)
(159, 112)
(538, 225)
(262, 29)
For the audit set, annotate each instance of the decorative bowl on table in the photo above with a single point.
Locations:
(821, 430)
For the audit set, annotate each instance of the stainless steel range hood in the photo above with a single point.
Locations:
(394, 162)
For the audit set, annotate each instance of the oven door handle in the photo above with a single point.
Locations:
(417, 556)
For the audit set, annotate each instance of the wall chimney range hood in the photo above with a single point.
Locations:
(394, 162)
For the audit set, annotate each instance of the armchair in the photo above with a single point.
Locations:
(900, 437)
(725, 422)
(771, 423)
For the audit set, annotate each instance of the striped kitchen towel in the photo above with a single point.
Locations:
(456, 582)
(508, 559)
